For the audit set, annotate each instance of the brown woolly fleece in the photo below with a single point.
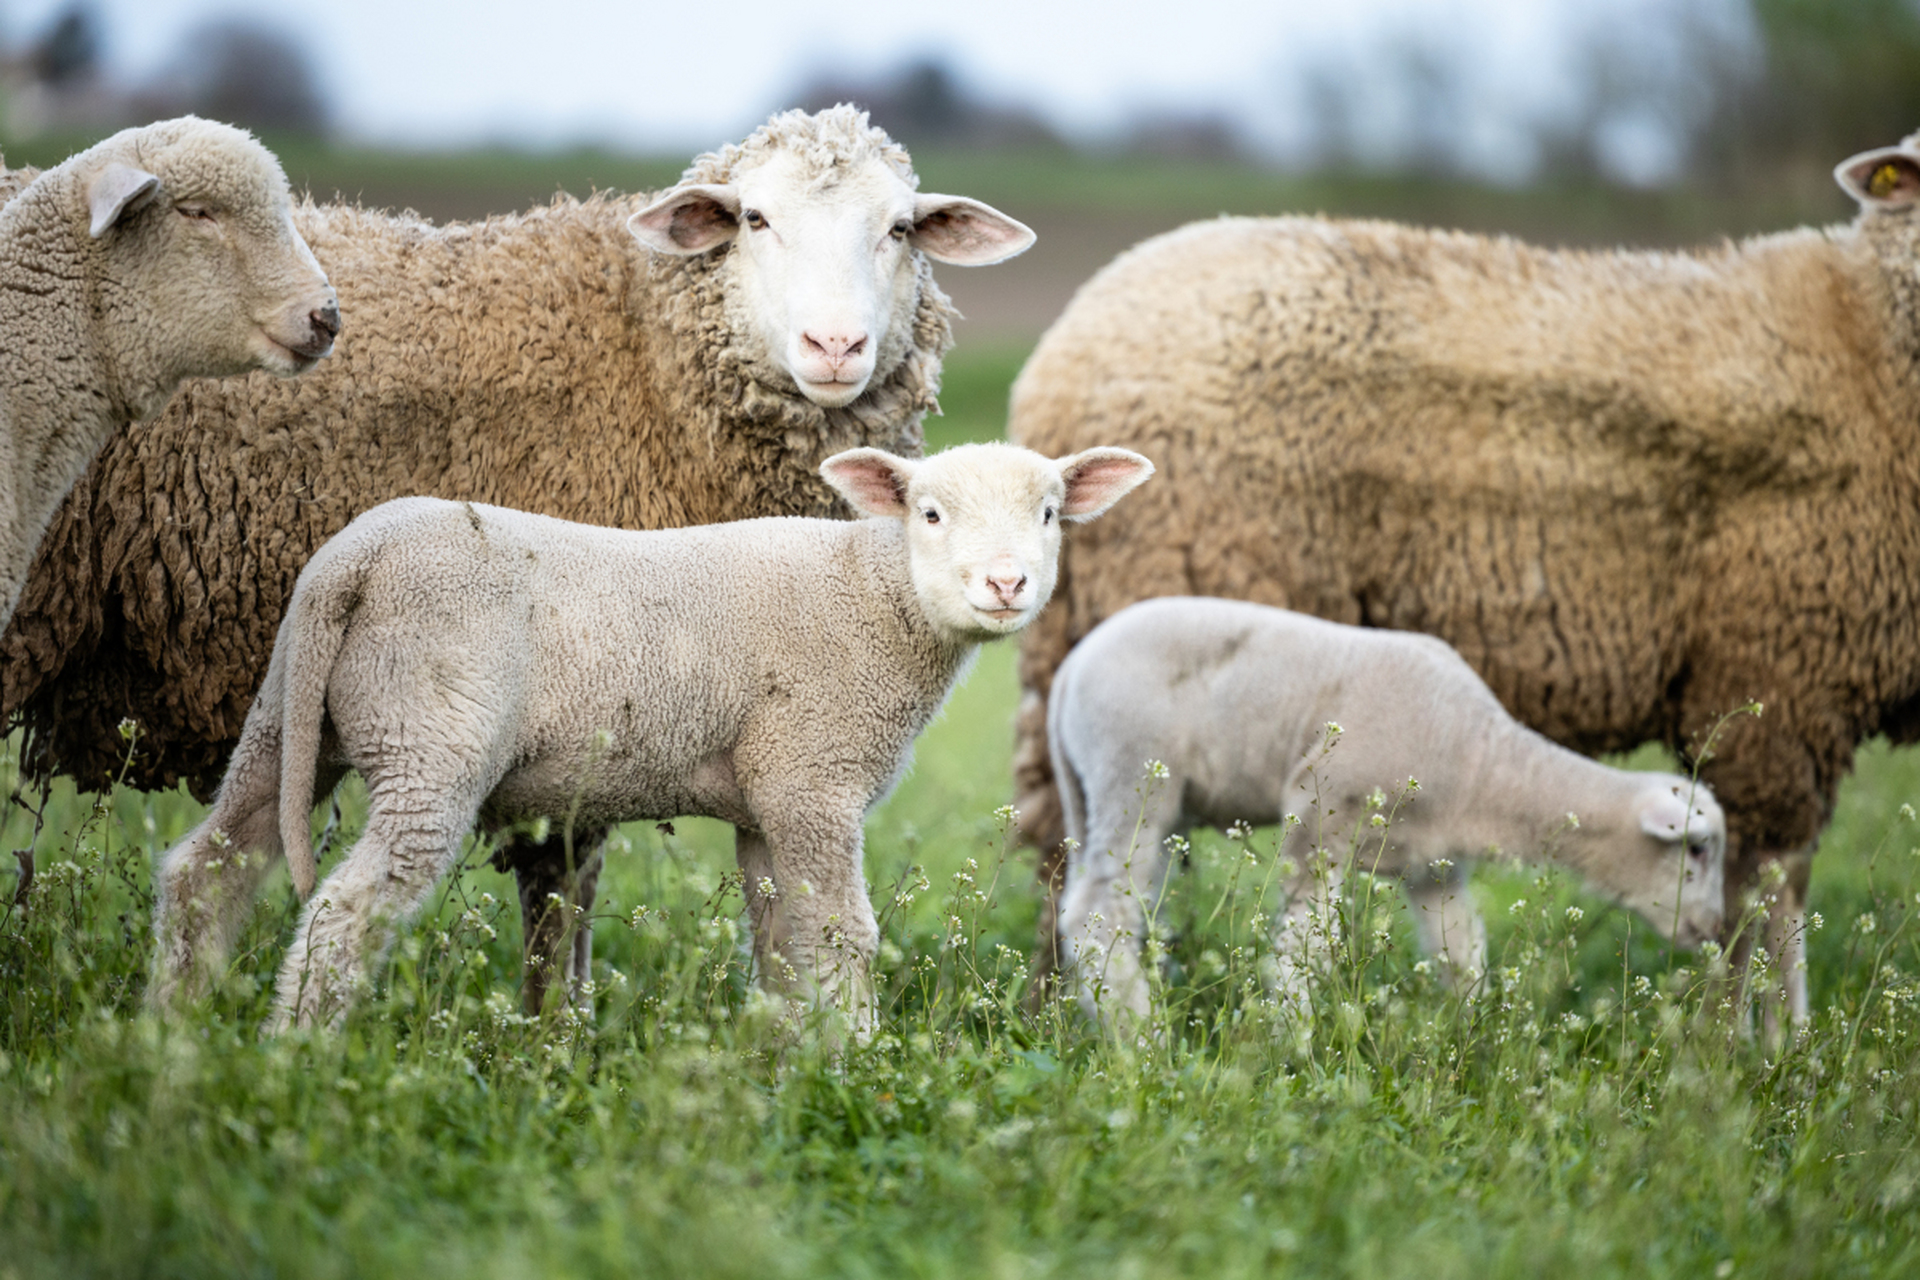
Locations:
(542, 361)
(1634, 490)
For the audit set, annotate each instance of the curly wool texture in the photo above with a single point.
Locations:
(108, 300)
(541, 361)
(1634, 490)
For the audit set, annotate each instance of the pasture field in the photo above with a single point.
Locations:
(1596, 1111)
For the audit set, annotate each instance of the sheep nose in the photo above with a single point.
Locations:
(326, 322)
(1007, 588)
(835, 347)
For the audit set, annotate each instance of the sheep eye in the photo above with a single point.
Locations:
(933, 517)
(901, 229)
(1046, 517)
(198, 212)
(754, 219)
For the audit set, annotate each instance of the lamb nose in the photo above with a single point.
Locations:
(326, 320)
(1007, 588)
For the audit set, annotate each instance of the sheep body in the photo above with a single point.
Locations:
(159, 254)
(471, 661)
(542, 361)
(1635, 490)
(1261, 715)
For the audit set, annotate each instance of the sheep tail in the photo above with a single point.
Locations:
(310, 639)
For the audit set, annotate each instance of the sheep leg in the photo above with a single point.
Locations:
(1771, 955)
(206, 885)
(204, 890)
(759, 885)
(1448, 924)
(821, 935)
(554, 900)
(1306, 932)
(409, 845)
(1112, 883)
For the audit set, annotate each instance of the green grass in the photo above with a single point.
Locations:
(1599, 1114)
(1579, 1119)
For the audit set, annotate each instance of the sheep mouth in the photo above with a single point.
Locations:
(832, 393)
(298, 359)
(1001, 615)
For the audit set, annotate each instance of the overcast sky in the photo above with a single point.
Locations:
(667, 77)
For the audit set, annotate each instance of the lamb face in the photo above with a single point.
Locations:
(982, 523)
(1683, 848)
(825, 260)
(193, 227)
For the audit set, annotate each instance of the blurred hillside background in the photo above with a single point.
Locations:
(1657, 122)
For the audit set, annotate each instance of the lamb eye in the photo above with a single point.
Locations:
(198, 212)
(933, 517)
(901, 229)
(1046, 516)
(754, 219)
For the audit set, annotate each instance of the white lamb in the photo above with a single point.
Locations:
(478, 663)
(161, 254)
(1238, 701)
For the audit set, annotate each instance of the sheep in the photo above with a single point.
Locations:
(476, 662)
(1637, 491)
(633, 361)
(163, 253)
(1253, 714)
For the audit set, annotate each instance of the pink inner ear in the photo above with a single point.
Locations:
(699, 223)
(1097, 483)
(873, 486)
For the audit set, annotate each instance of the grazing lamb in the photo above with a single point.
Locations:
(630, 361)
(163, 253)
(1634, 490)
(472, 661)
(1237, 701)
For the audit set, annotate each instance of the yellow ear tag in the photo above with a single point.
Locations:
(1885, 179)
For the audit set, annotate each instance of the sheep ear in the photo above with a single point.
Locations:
(1098, 478)
(117, 190)
(689, 220)
(965, 232)
(1665, 817)
(873, 481)
(1880, 178)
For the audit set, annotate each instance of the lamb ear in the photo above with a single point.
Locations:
(1665, 817)
(965, 232)
(1881, 178)
(1098, 478)
(115, 191)
(689, 220)
(873, 481)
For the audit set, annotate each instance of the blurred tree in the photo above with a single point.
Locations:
(69, 52)
(245, 73)
(925, 104)
(1832, 77)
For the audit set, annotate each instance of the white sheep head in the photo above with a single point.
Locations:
(1683, 889)
(827, 231)
(982, 522)
(190, 229)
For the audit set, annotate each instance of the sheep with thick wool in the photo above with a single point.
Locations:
(1635, 490)
(624, 360)
(473, 663)
(1260, 715)
(160, 254)
(633, 361)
